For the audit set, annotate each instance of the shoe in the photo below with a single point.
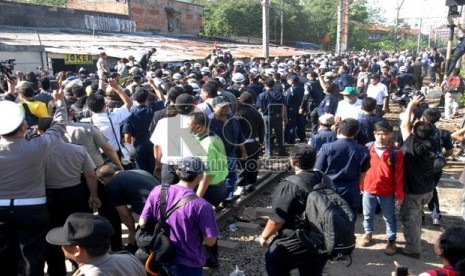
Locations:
(390, 248)
(436, 222)
(366, 240)
(239, 190)
(410, 254)
(248, 189)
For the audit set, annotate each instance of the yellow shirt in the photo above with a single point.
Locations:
(37, 108)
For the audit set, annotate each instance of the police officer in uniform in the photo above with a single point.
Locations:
(23, 210)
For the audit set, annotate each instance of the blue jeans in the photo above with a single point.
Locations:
(388, 208)
(182, 270)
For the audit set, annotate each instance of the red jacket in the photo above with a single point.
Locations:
(382, 178)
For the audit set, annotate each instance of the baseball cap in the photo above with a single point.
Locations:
(326, 119)
(375, 76)
(11, 116)
(184, 102)
(81, 229)
(191, 165)
(349, 91)
(220, 101)
(293, 78)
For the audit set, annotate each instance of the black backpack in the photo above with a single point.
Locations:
(329, 224)
(154, 237)
(30, 118)
(439, 160)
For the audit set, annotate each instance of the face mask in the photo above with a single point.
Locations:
(347, 99)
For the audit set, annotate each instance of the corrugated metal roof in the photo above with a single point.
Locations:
(65, 41)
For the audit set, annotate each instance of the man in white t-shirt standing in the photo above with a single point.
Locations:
(349, 107)
(378, 91)
(109, 121)
(171, 140)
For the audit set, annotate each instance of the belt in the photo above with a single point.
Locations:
(251, 140)
(23, 201)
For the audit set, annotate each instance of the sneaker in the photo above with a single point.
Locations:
(366, 240)
(436, 222)
(390, 248)
(239, 190)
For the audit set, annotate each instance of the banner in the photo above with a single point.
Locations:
(77, 59)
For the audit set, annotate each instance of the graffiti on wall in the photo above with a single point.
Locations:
(110, 24)
(173, 17)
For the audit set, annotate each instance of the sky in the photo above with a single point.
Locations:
(427, 9)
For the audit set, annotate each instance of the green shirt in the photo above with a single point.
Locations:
(215, 158)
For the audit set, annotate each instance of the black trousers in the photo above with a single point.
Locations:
(61, 203)
(248, 169)
(111, 214)
(22, 233)
(287, 252)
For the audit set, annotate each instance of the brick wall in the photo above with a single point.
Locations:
(166, 16)
(28, 15)
(108, 6)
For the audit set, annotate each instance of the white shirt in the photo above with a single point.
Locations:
(205, 108)
(174, 139)
(102, 122)
(378, 92)
(346, 110)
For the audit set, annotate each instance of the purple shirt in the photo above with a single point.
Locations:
(188, 224)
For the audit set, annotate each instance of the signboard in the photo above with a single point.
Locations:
(77, 59)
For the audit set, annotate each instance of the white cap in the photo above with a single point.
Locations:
(197, 65)
(238, 77)
(11, 116)
(205, 70)
(195, 86)
(253, 70)
(177, 76)
(403, 69)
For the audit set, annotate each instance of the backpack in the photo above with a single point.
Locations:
(454, 84)
(30, 118)
(439, 160)
(329, 224)
(155, 238)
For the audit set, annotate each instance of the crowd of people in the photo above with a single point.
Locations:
(104, 142)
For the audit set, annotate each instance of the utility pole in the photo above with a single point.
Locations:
(281, 41)
(339, 26)
(266, 28)
(453, 13)
(399, 6)
(342, 26)
(419, 36)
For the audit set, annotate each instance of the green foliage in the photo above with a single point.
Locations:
(304, 20)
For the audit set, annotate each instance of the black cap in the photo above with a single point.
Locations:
(191, 165)
(184, 102)
(220, 101)
(375, 76)
(81, 229)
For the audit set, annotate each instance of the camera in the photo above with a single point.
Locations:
(7, 67)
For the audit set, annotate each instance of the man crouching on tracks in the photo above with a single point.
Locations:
(286, 251)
